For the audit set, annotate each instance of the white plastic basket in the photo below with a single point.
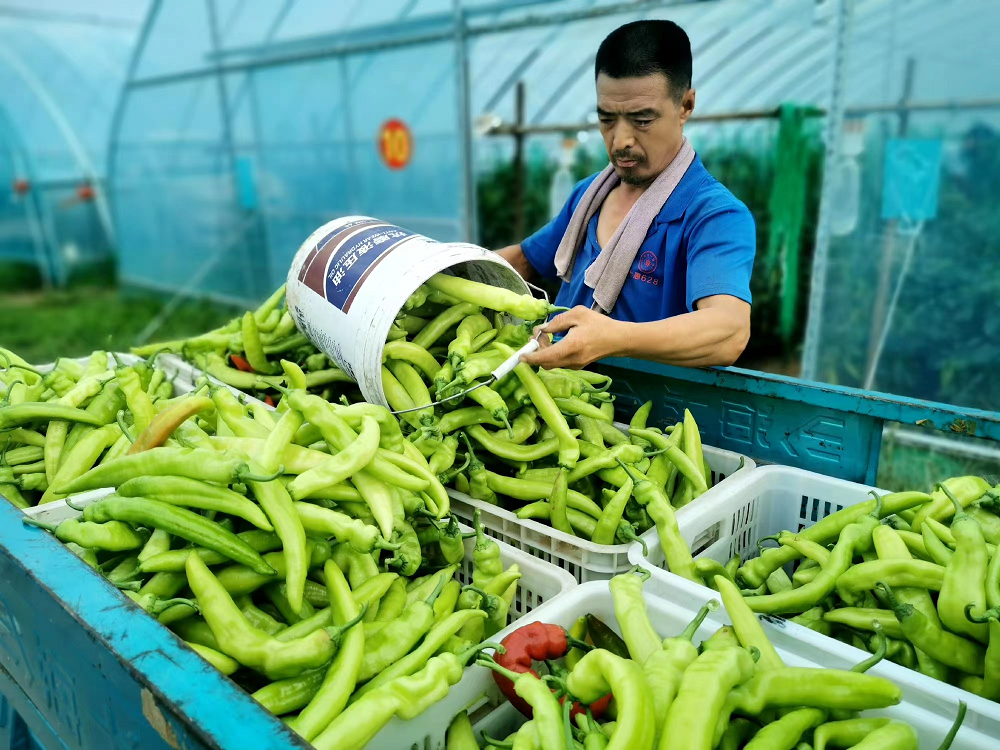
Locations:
(585, 560)
(540, 584)
(675, 603)
(773, 499)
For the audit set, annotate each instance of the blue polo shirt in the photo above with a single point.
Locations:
(701, 244)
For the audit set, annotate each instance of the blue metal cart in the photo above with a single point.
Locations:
(81, 667)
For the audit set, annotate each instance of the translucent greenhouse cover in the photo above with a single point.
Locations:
(246, 124)
(62, 67)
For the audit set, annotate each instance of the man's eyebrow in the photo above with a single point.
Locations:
(640, 113)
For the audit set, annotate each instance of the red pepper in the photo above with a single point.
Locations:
(268, 400)
(536, 641)
(240, 363)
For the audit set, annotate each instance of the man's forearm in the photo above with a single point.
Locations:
(704, 338)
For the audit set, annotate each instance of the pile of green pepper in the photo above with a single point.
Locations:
(57, 425)
(246, 354)
(923, 567)
(732, 692)
(541, 443)
(308, 552)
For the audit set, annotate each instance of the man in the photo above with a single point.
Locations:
(654, 242)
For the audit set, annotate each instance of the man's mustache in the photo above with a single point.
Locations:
(627, 156)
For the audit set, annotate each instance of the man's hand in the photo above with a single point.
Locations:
(591, 336)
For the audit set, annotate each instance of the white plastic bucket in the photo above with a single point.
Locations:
(351, 277)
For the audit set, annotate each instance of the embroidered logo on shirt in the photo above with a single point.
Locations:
(646, 265)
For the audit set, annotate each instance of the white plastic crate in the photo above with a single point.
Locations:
(584, 559)
(773, 499)
(673, 603)
(540, 585)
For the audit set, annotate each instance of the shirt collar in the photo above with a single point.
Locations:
(679, 200)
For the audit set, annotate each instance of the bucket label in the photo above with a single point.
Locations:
(345, 258)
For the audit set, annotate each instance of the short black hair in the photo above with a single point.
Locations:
(642, 48)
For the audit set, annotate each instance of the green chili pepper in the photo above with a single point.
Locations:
(524, 426)
(664, 668)
(179, 522)
(947, 648)
(638, 632)
(913, 573)
(158, 542)
(569, 451)
(417, 659)
(756, 570)
(492, 297)
(853, 539)
(341, 466)
(434, 330)
(447, 601)
(522, 489)
(470, 415)
(676, 550)
(443, 457)
(26, 413)
(862, 618)
(605, 638)
(460, 735)
(329, 523)
(746, 625)
(405, 697)
(338, 683)
(206, 465)
(486, 561)
(965, 489)
(173, 561)
(601, 672)
(252, 647)
(239, 579)
(935, 548)
(217, 659)
(787, 730)
(846, 733)
(338, 434)
(479, 487)
(258, 617)
(113, 536)
(964, 577)
(547, 716)
(670, 446)
(817, 688)
(192, 493)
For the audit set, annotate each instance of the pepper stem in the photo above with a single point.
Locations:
(954, 500)
(336, 631)
(898, 608)
(248, 476)
(879, 655)
(120, 418)
(464, 656)
(51, 527)
(487, 661)
(162, 605)
(577, 643)
(627, 532)
(381, 543)
(959, 718)
(437, 591)
(632, 475)
(990, 614)
(877, 511)
(568, 725)
(493, 742)
(640, 571)
(692, 627)
(772, 538)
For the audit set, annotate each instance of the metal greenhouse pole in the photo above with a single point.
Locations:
(834, 126)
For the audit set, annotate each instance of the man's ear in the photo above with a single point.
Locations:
(687, 105)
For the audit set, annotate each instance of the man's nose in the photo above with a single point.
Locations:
(622, 137)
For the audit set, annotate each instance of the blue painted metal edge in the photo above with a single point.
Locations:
(205, 702)
(929, 414)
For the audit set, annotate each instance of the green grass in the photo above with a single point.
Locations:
(43, 326)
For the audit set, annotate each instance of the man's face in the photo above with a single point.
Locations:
(641, 123)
